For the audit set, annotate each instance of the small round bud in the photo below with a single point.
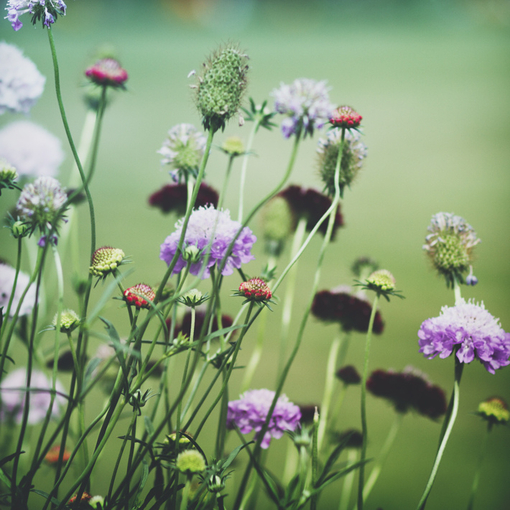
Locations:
(345, 117)
(215, 484)
(140, 295)
(69, 321)
(190, 462)
(193, 298)
(382, 280)
(8, 173)
(106, 260)
(19, 229)
(192, 254)
(255, 289)
(108, 73)
(471, 279)
(233, 146)
(494, 410)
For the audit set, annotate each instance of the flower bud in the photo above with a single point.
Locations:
(215, 484)
(346, 118)
(255, 289)
(494, 410)
(192, 254)
(107, 72)
(8, 175)
(190, 462)
(69, 321)
(193, 298)
(140, 295)
(106, 260)
(19, 229)
(233, 146)
(382, 280)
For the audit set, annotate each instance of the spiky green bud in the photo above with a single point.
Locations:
(69, 321)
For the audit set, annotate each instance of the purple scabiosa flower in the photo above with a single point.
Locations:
(173, 198)
(408, 390)
(208, 226)
(469, 330)
(250, 413)
(7, 275)
(312, 205)
(107, 72)
(21, 84)
(12, 395)
(351, 311)
(183, 151)
(45, 10)
(31, 149)
(305, 103)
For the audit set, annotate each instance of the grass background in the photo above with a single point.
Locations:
(431, 80)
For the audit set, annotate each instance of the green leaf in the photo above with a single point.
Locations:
(5, 479)
(149, 427)
(45, 495)
(233, 455)
(333, 458)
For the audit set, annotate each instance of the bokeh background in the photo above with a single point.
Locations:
(431, 80)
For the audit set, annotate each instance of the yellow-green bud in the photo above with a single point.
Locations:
(233, 146)
(19, 229)
(494, 410)
(382, 279)
(7, 172)
(279, 221)
(191, 254)
(190, 462)
(69, 321)
(106, 260)
(193, 298)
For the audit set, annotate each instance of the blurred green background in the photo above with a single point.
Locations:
(431, 80)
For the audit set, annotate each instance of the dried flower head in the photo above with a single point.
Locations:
(255, 289)
(31, 149)
(211, 231)
(353, 153)
(173, 198)
(345, 117)
(221, 86)
(46, 11)
(408, 390)
(69, 320)
(183, 151)
(107, 72)
(306, 105)
(450, 245)
(470, 331)
(348, 375)
(190, 462)
(494, 410)
(106, 260)
(21, 84)
(250, 413)
(140, 295)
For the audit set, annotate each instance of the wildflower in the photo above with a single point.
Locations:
(45, 10)
(469, 330)
(8, 176)
(183, 151)
(140, 295)
(312, 205)
(221, 87)
(69, 321)
(40, 202)
(21, 84)
(353, 153)
(255, 289)
(7, 276)
(250, 413)
(345, 117)
(233, 146)
(106, 260)
(174, 197)
(494, 410)
(450, 245)
(306, 105)
(190, 462)
(31, 149)
(351, 311)
(54, 453)
(348, 375)
(12, 395)
(382, 282)
(408, 390)
(212, 232)
(107, 72)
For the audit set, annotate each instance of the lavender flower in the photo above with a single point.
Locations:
(45, 10)
(13, 397)
(306, 104)
(7, 274)
(208, 226)
(250, 413)
(183, 150)
(31, 149)
(39, 202)
(21, 84)
(469, 330)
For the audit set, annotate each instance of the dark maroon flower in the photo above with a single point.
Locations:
(408, 390)
(185, 326)
(307, 412)
(348, 375)
(173, 197)
(311, 204)
(351, 312)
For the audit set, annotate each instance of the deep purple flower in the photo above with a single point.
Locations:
(312, 205)
(208, 226)
(408, 390)
(306, 104)
(45, 10)
(13, 397)
(348, 375)
(173, 197)
(184, 326)
(469, 330)
(250, 413)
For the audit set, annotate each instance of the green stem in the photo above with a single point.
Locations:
(243, 169)
(478, 471)
(352, 455)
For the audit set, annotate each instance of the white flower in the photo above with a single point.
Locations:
(31, 149)
(21, 84)
(7, 274)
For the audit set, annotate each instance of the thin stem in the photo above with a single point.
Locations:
(243, 169)
(476, 479)
(352, 455)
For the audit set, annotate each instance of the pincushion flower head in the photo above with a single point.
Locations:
(346, 118)
(107, 72)
(221, 86)
(21, 84)
(7, 276)
(183, 151)
(494, 410)
(106, 260)
(468, 330)
(250, 413)
(13, 396)
(139, 296)
(31, 149)
(353, 154)
(211, 232)
(306, 105)
(46, 11)
(450, 245)
(255, 290)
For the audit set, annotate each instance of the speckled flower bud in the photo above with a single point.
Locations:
(255, 289)
(190, 462)
(381, 279)
(106, 260)
(233, 146)
(140, 295)
(221, 86)
(494, 410)
(345, 117)
(69, 321)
